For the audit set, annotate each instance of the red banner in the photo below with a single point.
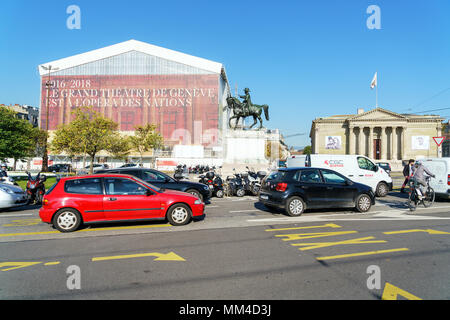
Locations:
(184, 107)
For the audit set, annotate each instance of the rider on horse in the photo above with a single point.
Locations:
(247, 102)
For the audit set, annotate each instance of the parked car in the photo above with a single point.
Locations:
(12, 196)
(97, 167)
(162, 180)
(128, 165)
(61, 167)
(386, 166)
(74, 201)
(357, 168)
(297, 189)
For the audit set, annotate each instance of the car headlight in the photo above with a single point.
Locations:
(6, 190)
(198, 201)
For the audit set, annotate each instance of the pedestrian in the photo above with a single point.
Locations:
(408, 172)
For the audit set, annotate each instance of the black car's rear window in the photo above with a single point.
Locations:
(276, 175)
(84, 186)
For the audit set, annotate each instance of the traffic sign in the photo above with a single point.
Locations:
(438, 140)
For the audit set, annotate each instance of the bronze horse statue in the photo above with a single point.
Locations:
(239, 112)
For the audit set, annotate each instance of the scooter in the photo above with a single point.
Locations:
(236, 185)
(253, 181)
(36, 188)
(214, 182)
(8, 180)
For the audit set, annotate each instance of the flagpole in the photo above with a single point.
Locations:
(376, 95)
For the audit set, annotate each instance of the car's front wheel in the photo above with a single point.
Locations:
(382, 189)
(295, 206)
(67, 220)
(363, 203)
(179, 214)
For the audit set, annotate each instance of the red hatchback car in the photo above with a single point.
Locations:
(73, 201)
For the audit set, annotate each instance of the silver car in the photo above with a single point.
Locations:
(12, 196)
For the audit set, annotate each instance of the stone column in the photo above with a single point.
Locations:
(351, 140)
(384, 142)
(394, 144)
(360, 140)
(370, 142)
(316, 140)
(403, 144)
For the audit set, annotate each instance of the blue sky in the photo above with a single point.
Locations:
(305, 59)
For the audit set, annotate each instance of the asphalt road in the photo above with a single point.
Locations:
(239, 251)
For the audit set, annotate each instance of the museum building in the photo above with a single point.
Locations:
(380, 134)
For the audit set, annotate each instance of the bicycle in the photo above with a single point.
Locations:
(413, 197)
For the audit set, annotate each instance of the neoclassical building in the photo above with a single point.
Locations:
(378, 134)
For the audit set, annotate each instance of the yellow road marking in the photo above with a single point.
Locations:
(367, 253)
(171, 256)
(391, 292)
(429, 231)
(299, 236)
(22, 223)
(329, 225)
(317, 245)
(84, 230)
(16, 265)
(51, 263)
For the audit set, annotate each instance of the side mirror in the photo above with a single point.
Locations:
(148, 192)
(377, 168)
(348, 182)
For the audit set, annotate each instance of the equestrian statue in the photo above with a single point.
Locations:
(246, 109)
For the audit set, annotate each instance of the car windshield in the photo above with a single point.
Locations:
(148, 184)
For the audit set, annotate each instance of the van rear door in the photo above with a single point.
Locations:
(439, 167)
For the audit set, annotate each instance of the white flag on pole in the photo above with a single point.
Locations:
(373, 84)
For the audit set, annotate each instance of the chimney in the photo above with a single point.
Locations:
(360, 110)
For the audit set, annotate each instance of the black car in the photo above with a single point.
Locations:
(296, 189)
(386, 166)
(162, 180)
(61, 167)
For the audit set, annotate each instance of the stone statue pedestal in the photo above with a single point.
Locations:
(248, 146)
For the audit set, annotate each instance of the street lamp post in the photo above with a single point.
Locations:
(48, 84)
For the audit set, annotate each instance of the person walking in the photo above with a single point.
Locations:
(408, 171)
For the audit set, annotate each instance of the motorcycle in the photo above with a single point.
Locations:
(236, 185)
(36, 188)
(214, 182)
(253, 182)
(8, 180)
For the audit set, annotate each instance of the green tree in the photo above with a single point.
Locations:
(145, 139)
(16, 136)
(120, 147)
(88, 134)
(307, 150)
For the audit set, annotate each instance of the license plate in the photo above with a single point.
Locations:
(263, 196)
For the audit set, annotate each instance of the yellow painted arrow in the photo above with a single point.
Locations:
(171, 256)
(391, 292)
(16, 265)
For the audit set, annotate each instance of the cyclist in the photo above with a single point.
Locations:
(419, 177)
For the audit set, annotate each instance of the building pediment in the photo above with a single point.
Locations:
(378, 114)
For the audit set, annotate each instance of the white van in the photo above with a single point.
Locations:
(296, 161)
(440, 167)
(355, 167)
